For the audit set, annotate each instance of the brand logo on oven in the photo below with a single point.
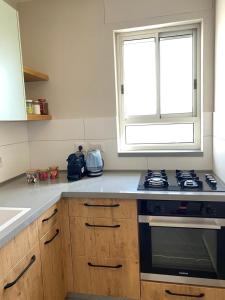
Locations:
(183, 273)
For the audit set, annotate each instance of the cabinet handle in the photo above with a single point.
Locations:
(105, 226)
(47, 219)
(54, 236)
(201, 295)
(103, 266)
(10, 284)
(102, 205)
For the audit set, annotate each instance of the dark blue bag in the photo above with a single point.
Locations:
(76, 167)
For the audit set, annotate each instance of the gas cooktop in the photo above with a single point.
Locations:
(180, 180)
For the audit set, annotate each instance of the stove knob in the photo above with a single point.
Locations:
(213, 183)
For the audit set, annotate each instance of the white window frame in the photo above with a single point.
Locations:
(194, 117)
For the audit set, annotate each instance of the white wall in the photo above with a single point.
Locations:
(72, 41)
(219, 119)
(14, 150)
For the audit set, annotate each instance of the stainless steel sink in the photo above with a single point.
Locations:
(8, 215)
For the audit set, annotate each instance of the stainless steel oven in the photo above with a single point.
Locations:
(182, 241)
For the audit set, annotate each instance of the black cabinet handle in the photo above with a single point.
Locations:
(47, 219)
(54, 236)
(101, 205)
(105, 226)
(10, 284)
(201, 295)
(103, 266)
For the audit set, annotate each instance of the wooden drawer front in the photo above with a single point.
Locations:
(52, 267)
(117, 239)
(119, 280)
(17, 248)
(29, 285)
(48, 219)
(164, 291)
(103, 208)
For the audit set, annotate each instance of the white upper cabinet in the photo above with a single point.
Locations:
(12, 92)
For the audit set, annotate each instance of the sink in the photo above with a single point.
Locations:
(8, 215)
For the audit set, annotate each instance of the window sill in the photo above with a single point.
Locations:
(185, 153)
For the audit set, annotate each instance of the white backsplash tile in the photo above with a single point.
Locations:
(219, 157)
(219, 125)
(100, 128)
(180, 162)
(111, 159)
(52, 153)
(13, 132)
(15, 160)
(207, 124)
(54, 130)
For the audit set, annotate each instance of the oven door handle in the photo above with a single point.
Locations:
(180, 222)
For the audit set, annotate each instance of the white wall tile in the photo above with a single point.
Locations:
(219, 157)
(113, 161)
(100, 128)
(54, 130)
(219, 125)
(171, 163)
(13, 132)
(207, 124)
(44, 154)
(14, 160)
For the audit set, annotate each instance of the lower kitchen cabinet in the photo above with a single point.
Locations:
(167, 291)
(104, 247)
(108, 277)
(24, 281)
(52, 267)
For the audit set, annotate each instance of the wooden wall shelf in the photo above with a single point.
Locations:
(31, 75)
(38, 117)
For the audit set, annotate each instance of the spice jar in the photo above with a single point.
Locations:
(32, 176)
(43, 175)
(54, 172)
(29, 106)
(43, 106)
(37, 109)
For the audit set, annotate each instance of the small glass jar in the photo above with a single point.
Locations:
(43, 106)
(37, 109)
(29, 106)
(43, 175)
(54, 172)
(32, 176)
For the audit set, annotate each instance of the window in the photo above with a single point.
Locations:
(158, 89)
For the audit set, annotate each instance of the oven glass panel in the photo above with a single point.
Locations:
(184, 249)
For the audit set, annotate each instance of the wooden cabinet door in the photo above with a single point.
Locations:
(103, 208)
(104, 237)
(107, 277)
(52, 267)
(12, 92)
(166, 291)
(24, 282)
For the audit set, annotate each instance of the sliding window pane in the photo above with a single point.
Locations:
(160, 133)
(139, 70)
(176, 74)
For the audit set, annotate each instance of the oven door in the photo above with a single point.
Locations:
(182, 246)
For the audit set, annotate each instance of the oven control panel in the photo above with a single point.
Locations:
(204, 209)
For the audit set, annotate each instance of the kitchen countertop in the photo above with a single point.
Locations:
(116, 184)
